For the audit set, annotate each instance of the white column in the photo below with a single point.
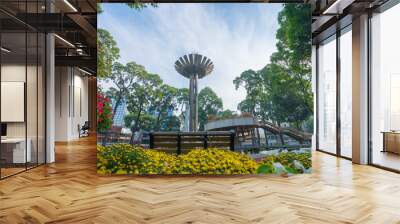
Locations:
(314, 86)
(50, 100)
(360, 90)
(63, 102)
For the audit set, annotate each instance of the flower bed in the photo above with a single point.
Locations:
(104, 113)
(127, 159)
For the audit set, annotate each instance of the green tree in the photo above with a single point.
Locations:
(107, 49)
(146, 121)
(140, 5)
(283, 101)
(227, 114)
(99, 8)
(107, 53)
(182, 99)
(281, 91)
(293, 61)
(140, 99)
(171, 123)
(294, 35)
(182, 96)
(141, 95)
(209, 104)
(165, 98)
(123, 79)
(134, 5)
(248, 105)
(252, 83)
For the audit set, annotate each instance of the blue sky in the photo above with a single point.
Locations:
(236, 37)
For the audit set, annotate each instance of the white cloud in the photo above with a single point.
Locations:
(172, 30)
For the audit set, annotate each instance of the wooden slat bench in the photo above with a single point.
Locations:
(180, 142)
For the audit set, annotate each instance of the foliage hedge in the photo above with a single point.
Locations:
(127, 159)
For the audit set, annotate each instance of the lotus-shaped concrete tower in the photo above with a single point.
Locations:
(194, 67)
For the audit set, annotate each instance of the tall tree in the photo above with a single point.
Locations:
(107, 49)
(123, 81)
(140, 5)
(227, 114)
(281, 91)
(293, 59)
(137, 5)
(252, 83)
(182, 99)
(165, 99)
(140, 99)
(107, 53)
(209, 104)
(170, 123)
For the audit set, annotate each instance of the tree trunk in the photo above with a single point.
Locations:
(158, 121)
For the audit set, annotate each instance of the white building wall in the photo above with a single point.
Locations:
(71, 102)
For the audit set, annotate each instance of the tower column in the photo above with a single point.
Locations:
(193, 112)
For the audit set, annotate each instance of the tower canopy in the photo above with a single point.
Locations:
(191, 64)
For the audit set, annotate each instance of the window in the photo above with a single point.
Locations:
(385, 88)
(22, 77)
(346, 93)
(327, 96)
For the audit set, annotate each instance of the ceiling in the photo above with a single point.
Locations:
(73, 21)
(331, 15)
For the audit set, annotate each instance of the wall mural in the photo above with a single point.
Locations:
(204, 89)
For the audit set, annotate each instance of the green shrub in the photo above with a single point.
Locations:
(287, 159)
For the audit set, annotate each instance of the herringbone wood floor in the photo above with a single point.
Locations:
(70, 191)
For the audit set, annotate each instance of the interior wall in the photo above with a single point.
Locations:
(61, 103)
(16, 73)
(80, 110)
(33, 126)
(71, 102)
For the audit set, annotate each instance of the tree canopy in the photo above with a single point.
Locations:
(281, 91)
(107, 53)
(107, 49)
(137, 5)
(209, 104)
